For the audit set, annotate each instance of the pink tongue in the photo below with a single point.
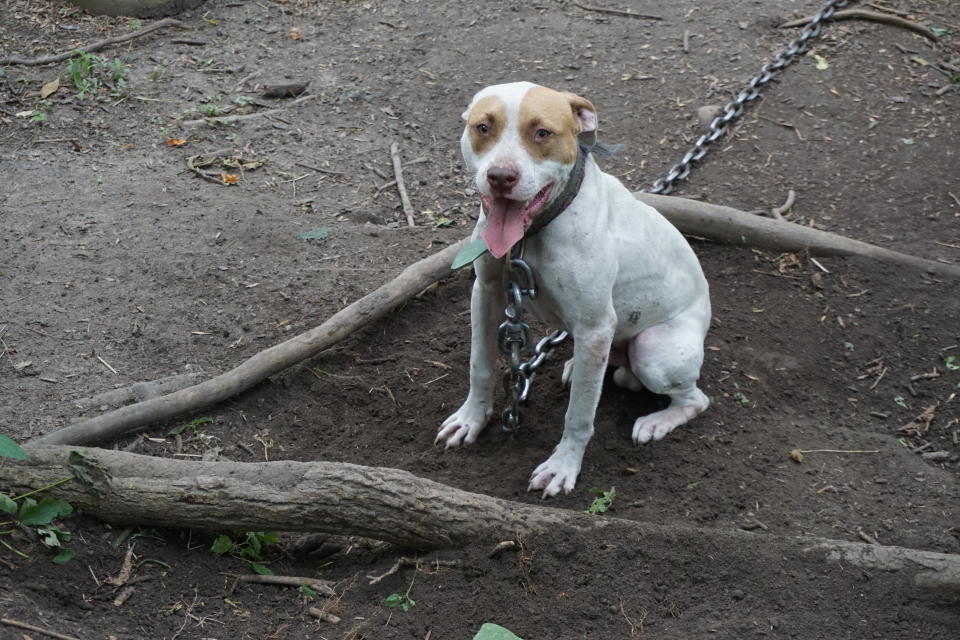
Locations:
(504, 225)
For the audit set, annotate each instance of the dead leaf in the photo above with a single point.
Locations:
(125, 570)
(788, 262)
(796, 455)
(229, 178)
(50, 87)
(294, 33)
(176, 142)
(921, 424)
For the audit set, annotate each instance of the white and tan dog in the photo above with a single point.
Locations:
(610, 269)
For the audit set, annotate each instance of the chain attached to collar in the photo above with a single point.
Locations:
(515, 339)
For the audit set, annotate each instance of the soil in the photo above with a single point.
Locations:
(118, 264)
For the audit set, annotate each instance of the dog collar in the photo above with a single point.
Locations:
(570, 191)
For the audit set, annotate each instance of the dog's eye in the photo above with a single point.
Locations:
(543, 134)
(483, 128)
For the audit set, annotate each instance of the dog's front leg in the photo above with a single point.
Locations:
(486, 305)
(591, 349)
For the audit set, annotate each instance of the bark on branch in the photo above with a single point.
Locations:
(385, 504)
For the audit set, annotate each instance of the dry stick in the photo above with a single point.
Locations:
(728, 225)
(96, 46)
(326, 616)
(287, 581)
(617, 12)
(398, 172)
(371, 307)
(30, 627)
(390, 505)
(863, 14)
(228, 120)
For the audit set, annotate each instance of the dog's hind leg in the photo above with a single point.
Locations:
(667, 358)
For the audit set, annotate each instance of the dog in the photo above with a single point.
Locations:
(611, 270)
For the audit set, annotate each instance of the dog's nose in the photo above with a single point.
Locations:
(502, 179)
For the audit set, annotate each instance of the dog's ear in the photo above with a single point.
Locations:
(586, 115)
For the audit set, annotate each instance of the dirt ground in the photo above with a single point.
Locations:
(118, 264)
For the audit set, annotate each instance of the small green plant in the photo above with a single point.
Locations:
(210, 110)
(603, 501)
(403, 600)
(194, 426)
(307, 591)
(950, 362)
(90, 74)
(135, 25)
(40, 516)
(247, 546)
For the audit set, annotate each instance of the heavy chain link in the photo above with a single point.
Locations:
(734, 109)
(514, 336)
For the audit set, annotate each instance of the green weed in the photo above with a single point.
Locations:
(603, 501)
(247, 546)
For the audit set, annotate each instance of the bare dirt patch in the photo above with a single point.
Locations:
(113, 251)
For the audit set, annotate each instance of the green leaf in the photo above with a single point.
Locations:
(65, 556)
(950, 363)
(10, 449)
(469, 253)
(939, 32)
(222, 544)
(314, 234)
(7, 505)
(490, 631)
(45, 512)
(260, 569)
(307, 591)
(393, 600)
(49, 537)
(906, 140)
(269, 537)
(822, 63)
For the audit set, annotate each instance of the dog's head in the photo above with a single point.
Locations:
(521, 141)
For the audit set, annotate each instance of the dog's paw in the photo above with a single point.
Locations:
(557, 473)
(655, 426)
(567, 372)
(463, 427)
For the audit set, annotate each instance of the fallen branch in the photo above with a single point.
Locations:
(371, 307)
(385, 504)
(323, 586)
(617, 12)
(140, 391)
(229, 120)
(29, 627)
(96, 46)
(728, 225)
(873, 16)
(401, 188)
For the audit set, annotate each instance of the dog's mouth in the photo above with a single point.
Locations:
(508, 220)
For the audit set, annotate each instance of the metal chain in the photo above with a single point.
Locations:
(514, 336)
(734, 109)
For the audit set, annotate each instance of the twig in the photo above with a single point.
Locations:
(777, 212)
(401, 189)
(838, 451)
(96, 46)
(866, 537)
(686, 41)
(107, 365)
(326, 616)
(228, 120)
(617, 12)
(322, 586)
(863, 14)
(30, 627)
(321, 169)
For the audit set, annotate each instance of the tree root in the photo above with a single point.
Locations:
(96, 46)
(385, 504)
